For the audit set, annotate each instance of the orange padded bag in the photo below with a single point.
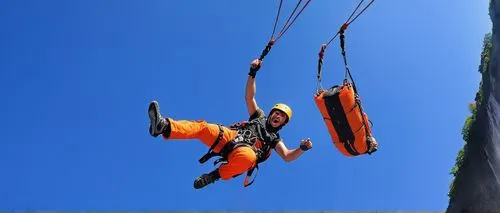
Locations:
(345, 120)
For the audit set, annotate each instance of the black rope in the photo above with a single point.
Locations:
(349, 21)
(354, 11)
(277, 18)
(342, 43)
(290, 17)
(285, 27)
(363, 10)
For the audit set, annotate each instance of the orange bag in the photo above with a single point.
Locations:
(345, 120)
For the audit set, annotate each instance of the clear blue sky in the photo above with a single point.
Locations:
(77, 76)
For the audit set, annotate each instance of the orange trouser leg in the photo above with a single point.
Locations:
(239, 160)
(201, 130)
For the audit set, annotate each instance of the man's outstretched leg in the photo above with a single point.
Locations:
(187, 129)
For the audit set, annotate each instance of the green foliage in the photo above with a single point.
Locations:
(466, 128)
(473, 109)
(459, 161)
(485, 55)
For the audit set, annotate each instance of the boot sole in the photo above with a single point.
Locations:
(154, 112)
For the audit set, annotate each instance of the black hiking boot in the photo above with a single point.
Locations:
(159, 125)
(206, 179)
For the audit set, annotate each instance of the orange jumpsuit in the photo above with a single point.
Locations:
(239, 160)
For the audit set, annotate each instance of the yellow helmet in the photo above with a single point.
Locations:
(284, 108)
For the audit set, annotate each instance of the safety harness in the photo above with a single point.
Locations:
(247, 136)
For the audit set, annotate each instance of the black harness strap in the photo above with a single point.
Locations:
(348, 71)
(240, 140)
(321, 54)
(210, 152)
(266, 50)
(230, 146)
(348, 145)
(223, 159)
(249, 173)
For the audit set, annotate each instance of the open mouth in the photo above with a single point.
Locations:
(276, 120)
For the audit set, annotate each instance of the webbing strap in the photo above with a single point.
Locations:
(347, 71)
(364, 123)
(211, 154)
(249, 173)
(266, 50)
(350, 148)
(349, 145)
(321, 54)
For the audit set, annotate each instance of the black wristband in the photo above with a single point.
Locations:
(304, 147)
(253, 72)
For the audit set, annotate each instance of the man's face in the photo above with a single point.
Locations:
(277, 118)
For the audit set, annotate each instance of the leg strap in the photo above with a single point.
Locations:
(249, 173)
(210, 153)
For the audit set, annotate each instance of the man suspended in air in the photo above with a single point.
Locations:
(241, 146)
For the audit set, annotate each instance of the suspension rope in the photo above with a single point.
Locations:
(285, 27)
(341, 31)
(276, 21)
